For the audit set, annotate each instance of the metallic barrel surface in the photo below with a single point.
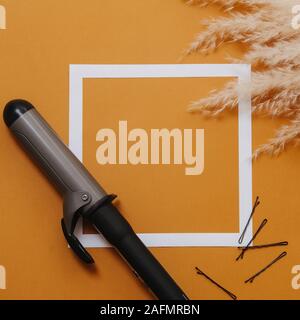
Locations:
(60, 164)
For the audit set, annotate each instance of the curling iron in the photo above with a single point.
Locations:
(84, 197)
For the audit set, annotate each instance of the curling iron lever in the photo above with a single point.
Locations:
(83, 196)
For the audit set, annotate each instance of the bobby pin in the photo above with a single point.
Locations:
(276, 244)
(282, 255)
(241, 256)
(257, 202)
(230, 294)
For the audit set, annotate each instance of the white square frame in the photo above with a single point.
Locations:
(242, 72)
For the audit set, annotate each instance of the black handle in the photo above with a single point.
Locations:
(115, 228)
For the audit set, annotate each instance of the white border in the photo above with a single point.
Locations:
(242, 72)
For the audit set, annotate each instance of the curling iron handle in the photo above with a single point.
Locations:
(115, 228)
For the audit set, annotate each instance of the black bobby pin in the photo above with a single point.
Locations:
(276, 244)
(230, 294)
(257, 202)
(282, 255)
(241, 256)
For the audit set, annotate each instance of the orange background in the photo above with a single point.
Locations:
(42, 39)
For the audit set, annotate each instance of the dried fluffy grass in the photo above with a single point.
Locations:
(275, 58)
(230, 4)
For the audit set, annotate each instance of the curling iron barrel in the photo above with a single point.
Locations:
(83, 196)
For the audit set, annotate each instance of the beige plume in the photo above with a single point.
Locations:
(274, 53)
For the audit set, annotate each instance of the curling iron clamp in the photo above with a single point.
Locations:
(84, 197)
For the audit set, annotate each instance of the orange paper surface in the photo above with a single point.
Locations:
(41, 40)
